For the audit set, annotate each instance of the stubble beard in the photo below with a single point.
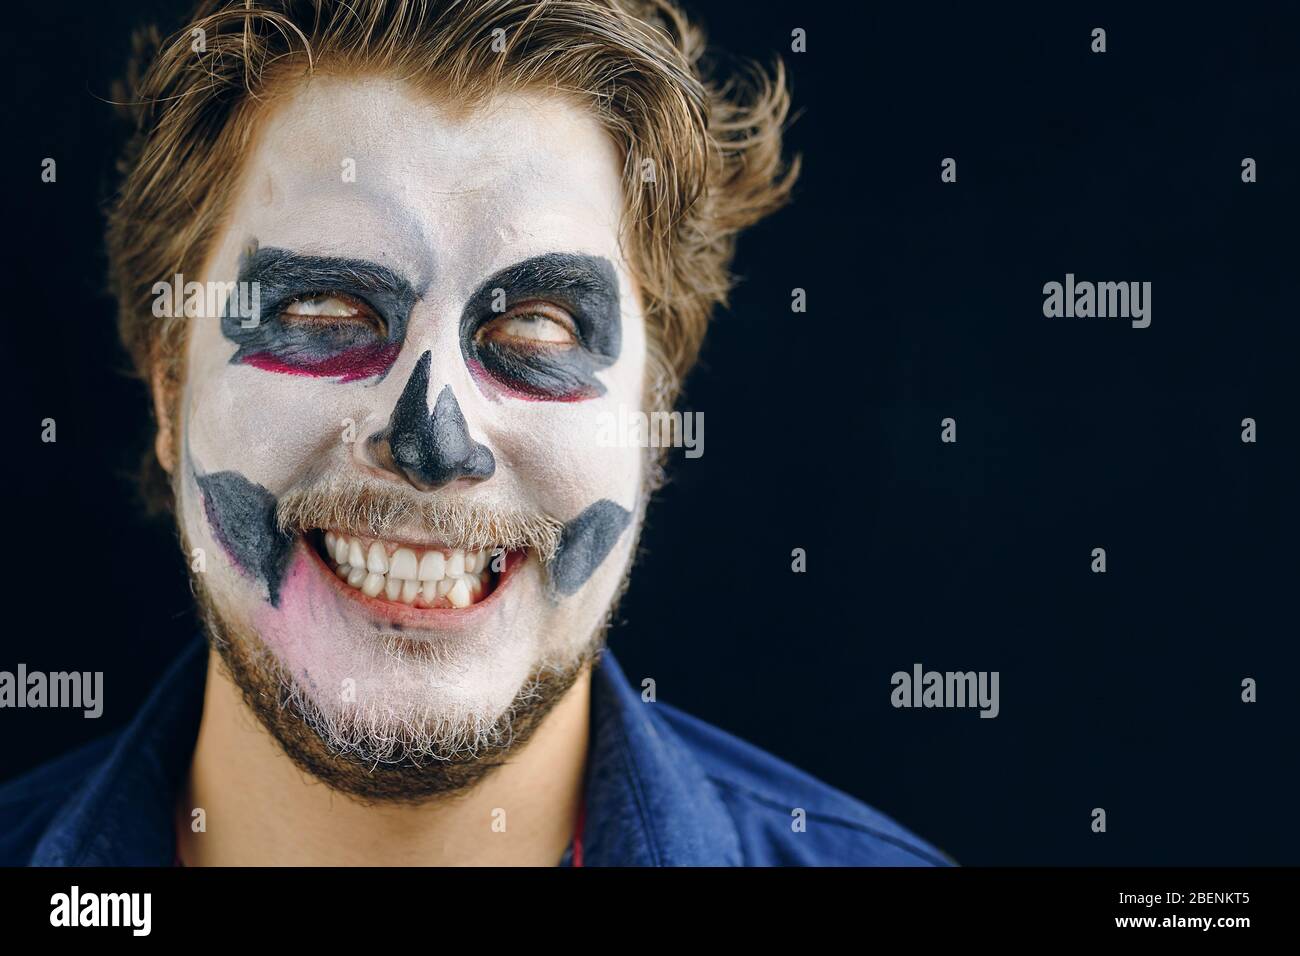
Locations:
(421, 757)
(418, 758)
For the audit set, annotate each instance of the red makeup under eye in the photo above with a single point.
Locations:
(365, 361)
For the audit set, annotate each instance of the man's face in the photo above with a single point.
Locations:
(445, 318)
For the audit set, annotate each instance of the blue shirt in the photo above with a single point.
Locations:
(663, 789)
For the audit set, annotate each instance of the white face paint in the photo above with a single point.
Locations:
(440, 204)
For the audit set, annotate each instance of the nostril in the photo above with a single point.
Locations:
(406, 452)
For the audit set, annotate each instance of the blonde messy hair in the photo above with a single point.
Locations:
(715, 149)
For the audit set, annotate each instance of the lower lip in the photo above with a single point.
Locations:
(417, 617)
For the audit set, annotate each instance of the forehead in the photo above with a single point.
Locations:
(374, 167)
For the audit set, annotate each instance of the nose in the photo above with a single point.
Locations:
(430, 450)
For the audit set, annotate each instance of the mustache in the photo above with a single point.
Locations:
(364, 508)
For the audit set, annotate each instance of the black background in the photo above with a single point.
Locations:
(1119, 690)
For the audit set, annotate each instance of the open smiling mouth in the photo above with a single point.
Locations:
(420, 576)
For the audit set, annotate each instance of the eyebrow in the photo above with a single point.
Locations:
(280, 269)
(556, 272)
(587, 285)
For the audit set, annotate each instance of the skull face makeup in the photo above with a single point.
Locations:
(412, 538)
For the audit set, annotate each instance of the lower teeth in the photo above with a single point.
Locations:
(449, 592)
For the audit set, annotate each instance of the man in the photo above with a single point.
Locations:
(447, 243)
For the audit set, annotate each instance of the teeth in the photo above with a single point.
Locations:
(433, 566)
(396, 573)
(404, 565)
(410, 590)
(459, 594)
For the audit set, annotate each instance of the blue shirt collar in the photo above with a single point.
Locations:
(123, 814)
(648, 800)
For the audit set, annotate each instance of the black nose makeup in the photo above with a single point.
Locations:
(431, 450)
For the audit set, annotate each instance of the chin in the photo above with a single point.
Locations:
(385, 659)
(456, 645)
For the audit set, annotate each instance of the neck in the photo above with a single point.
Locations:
(260, 809)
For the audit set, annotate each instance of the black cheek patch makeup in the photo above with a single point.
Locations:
(432, 449)
(586, 287)
(585, 542)
(347, 350)
(241, 515)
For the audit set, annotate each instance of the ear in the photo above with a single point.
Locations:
(163, 396)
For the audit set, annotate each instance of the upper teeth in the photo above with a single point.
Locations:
(424, 578)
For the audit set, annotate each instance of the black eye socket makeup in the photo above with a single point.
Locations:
(586, 288)
(320, 346)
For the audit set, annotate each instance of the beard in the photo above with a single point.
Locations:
(389, 758)
(409, 746)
